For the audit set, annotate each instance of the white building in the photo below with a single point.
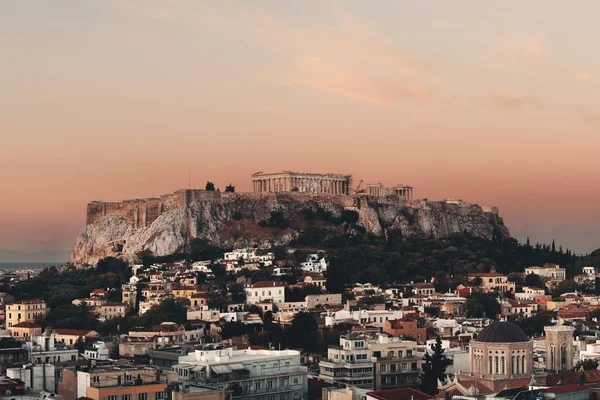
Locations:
(375, 318)
(282, 271)
(46, 349)
(259, 374)
(237, 254)
(265, 291)
(549, 271)
(591, 352)
(99, 351)
(314, 263)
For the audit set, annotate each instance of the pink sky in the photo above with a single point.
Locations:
(114, 99)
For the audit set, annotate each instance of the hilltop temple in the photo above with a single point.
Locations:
(288, 181)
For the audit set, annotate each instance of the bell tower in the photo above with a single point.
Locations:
(559, 347)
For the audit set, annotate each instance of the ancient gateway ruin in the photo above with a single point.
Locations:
(377, 189)
(288, 181)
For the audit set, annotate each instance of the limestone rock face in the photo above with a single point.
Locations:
(233, 220)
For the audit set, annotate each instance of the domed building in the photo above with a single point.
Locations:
(501, 351)
(501, 358)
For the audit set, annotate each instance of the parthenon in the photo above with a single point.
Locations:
(288, 181)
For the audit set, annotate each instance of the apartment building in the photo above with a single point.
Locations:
(24, 310)
(112, 382)
(371, 362)
(248, 373)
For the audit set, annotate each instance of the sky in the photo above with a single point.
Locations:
(495, 103)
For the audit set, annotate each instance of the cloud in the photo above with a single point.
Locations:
(346, 56)
(588, 115)
(316, 74)
(581, 76)
(516, 101)
(525, 47)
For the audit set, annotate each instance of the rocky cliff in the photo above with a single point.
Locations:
(234, 220)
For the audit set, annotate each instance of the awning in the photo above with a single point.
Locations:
(198, 368)
(221, 369)
(236, 367)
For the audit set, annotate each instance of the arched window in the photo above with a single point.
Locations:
(552, 359)
(523, 364)
(563, 357)
(502, 364)
(513, 369)
(496, 360)
(491, 371)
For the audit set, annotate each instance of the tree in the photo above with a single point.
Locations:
(238, 294)
(145, 257)
(587, 365)
(229, 188)
(535, 325)
(479, 305)
(534, 280)
(434, 368)
(114, 352)
(210, 187)
(303, 332)
(80, 344)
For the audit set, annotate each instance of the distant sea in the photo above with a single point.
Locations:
(32, 265)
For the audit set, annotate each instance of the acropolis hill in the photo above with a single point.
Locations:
(166, 224)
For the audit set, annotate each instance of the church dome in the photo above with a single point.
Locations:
(502, 332)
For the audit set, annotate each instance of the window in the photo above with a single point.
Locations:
(161, 395)
(126, 397)
(404, 367)
(112, 397)
(296, 380)
(408, 353)
(270, 384)
(96, 379)
(383, 368)
(257, 385)
(392, 367)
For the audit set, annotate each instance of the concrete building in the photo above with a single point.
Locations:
(265, 290)
(405, 328)
(314, 300)
(46, 349)
(248, 373)
(371, 362)
(131, 346)
(112, 382)
(98, 351)
(35, 376)
(24, 310)
(188, 391)
(288, 181)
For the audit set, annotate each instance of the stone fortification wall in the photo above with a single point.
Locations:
(143, 212)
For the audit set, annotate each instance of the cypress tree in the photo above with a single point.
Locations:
(434, 368)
